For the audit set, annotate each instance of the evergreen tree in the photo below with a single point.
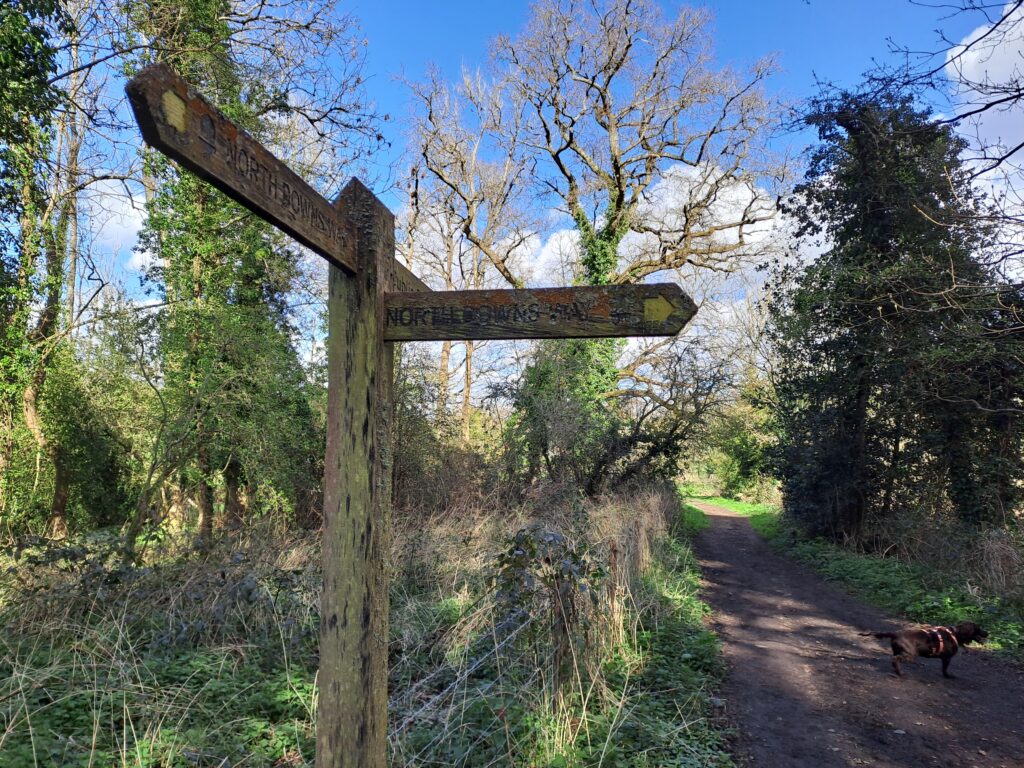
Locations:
(225, 347)
(898, 349)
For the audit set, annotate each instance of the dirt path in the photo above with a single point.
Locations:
(806, 691)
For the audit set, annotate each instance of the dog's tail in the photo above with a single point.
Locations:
(879, 635)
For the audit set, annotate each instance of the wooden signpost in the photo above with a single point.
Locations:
(373, 301)
(179, 122)
(538, 313)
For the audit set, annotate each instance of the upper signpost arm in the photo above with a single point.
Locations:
(179, 122)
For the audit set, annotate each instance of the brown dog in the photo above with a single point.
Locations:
(931, 642)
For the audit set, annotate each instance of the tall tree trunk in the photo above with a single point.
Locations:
(51, 237)
(204, 496)
(6, 449)
(70, 211)
(852, 504)
(205, 490)
(144, 509)
(443, 374)
(467, 391)
(894, 463)
(61, 492)
(443, 378)
(30, 412)
(234, 509)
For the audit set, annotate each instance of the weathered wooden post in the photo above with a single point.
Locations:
(373, 301)
(352, 720)
(356, 235)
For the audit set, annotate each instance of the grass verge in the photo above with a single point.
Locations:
(662, 677)
(918, 593)
(209, 659)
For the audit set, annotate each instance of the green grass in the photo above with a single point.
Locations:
(663, 678)
(202, 663)
(920, 594)
(763, 517)
(691, 520)
(742, 507)
(199, 705)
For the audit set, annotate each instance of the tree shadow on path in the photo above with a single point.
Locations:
(805, 690)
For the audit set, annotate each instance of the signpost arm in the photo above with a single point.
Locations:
(353, 680)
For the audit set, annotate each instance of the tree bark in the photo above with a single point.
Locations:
(30, 412)
(61, 492)
(6, 450)
(467, 392)
(234, 509)
(851, 505)
(204, 496)
(894, 462)
(443, 379)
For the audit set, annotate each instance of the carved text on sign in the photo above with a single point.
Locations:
(251, 172)
(580, 312)
(184, 126)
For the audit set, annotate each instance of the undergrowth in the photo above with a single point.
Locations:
(663, 677)
(568, 638)
(928, 595)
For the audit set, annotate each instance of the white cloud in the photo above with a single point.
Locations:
(1000, 60)
(994, 62)
(141, 260)
(116, 215)
(552, 262)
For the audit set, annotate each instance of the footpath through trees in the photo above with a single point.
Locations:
(805, 691)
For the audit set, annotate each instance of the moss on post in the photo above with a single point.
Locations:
(352, 714)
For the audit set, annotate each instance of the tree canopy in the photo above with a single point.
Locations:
(898, 380)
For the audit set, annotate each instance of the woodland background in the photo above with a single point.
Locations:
(857, 358)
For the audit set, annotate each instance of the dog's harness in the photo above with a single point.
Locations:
(941, 638)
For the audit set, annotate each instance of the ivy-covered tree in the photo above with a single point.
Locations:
(898, 377)
(637, 139)
(30, 240)
(227, 358)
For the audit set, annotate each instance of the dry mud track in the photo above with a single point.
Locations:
(805, 690)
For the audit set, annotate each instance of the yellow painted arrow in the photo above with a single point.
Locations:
(658, 309)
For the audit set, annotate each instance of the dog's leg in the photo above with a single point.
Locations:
(945, 666)
(896, 665)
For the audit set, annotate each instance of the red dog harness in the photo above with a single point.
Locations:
(942, 638)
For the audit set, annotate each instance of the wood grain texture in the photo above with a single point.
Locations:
(405, 280)
(605, 311)
(353, 682)
(176, 120)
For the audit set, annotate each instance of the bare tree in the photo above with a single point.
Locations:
(626, 115)
(616, 118)
(978, 82)
(983, 73)
(472, 163)
(470, 223)
(435, 239)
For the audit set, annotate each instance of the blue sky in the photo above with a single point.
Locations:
(834, 40)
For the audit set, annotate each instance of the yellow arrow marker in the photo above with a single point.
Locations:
(658, 309)
(175, 111)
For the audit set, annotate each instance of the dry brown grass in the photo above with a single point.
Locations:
(998, 563)
(101, 633)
